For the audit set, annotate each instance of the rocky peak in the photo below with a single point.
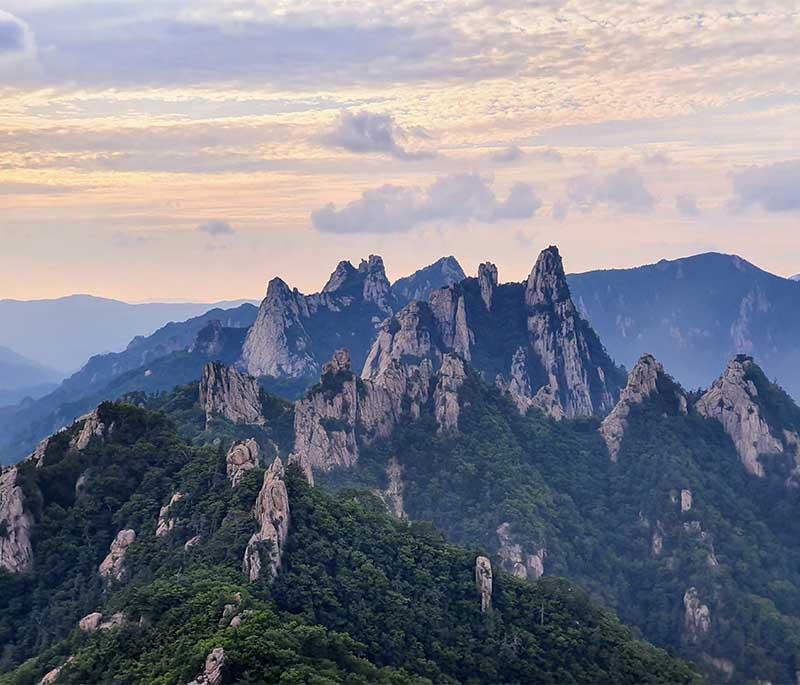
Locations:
(16, 552)
(277, 344)
(419, 285)
(340, 278)
(92, 427)
(272, 516)
(226, 392)
(547, 282)
(643, 382)
(733, 400)
(483, 582)
(487, 278)
(113, 566)
(166, 522)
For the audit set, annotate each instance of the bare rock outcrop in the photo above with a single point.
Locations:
(483, 582)
(573, 361)
(226, 392)
(16, 522)
(242, 457)
(733, 400)
(332, 418)
(40, 452)
(52, 676)
(92, 427)
(94, 622)
(213, 669)
(166, 522)
(487, 279)
(697, 616)
(113, 566)
(514, 559)
(277, 344)
(643, 382)
(272, 515)
(686, 500)
(451, 377)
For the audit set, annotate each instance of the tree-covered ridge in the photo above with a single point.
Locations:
(361, 597)
(677, 512)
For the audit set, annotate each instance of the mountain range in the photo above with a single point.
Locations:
(20, 377)
(84, 326)
(217, 512)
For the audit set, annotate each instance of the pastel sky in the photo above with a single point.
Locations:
(159, 149)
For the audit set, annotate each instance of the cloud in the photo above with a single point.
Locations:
(657, 159)
(393, 209)
(216, 227)
(623, 189)
(512, 153)
(368, 132)
(11, 188)
(687, 205)
(774, 187)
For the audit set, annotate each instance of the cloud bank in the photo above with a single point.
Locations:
(395, 209)
(369, 132)
(774, 187)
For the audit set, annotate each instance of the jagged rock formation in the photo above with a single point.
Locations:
(697, 616)
(733, 400)
(192, 542)
(686, 500)
(452, 375)
(548, 357)
(166, 522)
(483, 582)
(226, 392)
(487, 279)
(16, 552)
(113, 566)
(514, 560)
(213, 670)
(241, 458)
(272, 515)
(94, 622)
(92, 427)
(420, 284)
(40, 452)
(293, 332)
(643, 381)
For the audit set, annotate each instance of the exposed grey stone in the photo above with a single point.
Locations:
(733, 401)
(487, 279)
(697, 616)
(113, 566)
(272, 515)
(483, 582)
(16, 552)
(166, 522)
(445, 397)
(226, 392)
(242, 457)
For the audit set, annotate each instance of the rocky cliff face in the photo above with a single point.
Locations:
(548, 357)
(113, 566)
(514, 560)
(166, 521)
(242, 457)
(16, 552)
(451, 377)
(294, 332)
(734, 401)
(483, 582)
(643, 382)
(92, 427)
(272, 515)
(420, 284)
(697, 616)
(213, 669)
(226, 392)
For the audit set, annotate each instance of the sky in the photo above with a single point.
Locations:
(162, 150)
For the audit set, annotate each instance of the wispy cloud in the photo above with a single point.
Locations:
(461, 197)
(623, 189)
(774, 187)
(369, 132)
(216, 227)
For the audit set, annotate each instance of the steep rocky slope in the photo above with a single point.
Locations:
(528, 338)
(694, 314)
